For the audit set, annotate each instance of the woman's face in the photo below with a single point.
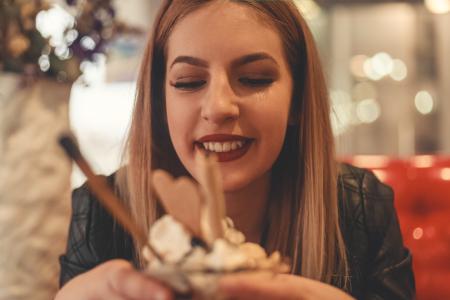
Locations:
(228, 90)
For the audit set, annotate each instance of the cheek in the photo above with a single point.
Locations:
(273, 121)
(273, 126)
(272, 117)
(182, 120)
(174, 113)
(178, 116)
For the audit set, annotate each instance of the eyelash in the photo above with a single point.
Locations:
(256, 81)
(192, 85)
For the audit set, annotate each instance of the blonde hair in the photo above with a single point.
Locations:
(303, 206)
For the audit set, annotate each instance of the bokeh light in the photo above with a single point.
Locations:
(63, 52)
(423, 161)
(53, 23)
(399, 70)
(88, 43)
(445, 174)
(418, 233)
(378, 66)
(44, 63)
(424, 102)
(71, 36)
(368, 111)
(382, 63)
(370, 71)
(438, 6)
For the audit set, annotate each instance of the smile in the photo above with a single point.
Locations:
(226, 147)
(223, 147)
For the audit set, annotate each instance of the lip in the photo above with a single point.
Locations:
(226, 156)
(222, 138)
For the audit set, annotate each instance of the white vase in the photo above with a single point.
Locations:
(34, 187)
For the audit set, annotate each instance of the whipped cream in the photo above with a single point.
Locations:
(170, 239)
(187, 267)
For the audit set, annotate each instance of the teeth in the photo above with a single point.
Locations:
(226, 147)
(223, 147)
(218, 147)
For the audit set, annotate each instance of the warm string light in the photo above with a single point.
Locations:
(378, 66)
(362, 107)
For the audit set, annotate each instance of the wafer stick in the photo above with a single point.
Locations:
(104, 194)
(213, 206)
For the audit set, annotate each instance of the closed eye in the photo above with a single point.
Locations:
(257, 82)
(188, 85)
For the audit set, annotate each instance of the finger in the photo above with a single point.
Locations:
(92, 285)
(109, 294)
(130, 284)
(256, 286)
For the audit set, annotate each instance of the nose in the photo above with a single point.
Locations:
(220, 103)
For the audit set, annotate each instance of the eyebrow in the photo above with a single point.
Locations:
(252, 58)
(238, 62)
(191, 61)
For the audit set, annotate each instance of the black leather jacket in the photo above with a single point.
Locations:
(380, 265)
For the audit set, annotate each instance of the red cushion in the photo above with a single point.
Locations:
(422, 198)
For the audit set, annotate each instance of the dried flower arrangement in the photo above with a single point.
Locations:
(41, 38)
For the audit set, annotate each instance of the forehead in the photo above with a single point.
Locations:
(224, 29)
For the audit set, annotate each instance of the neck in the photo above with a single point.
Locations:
(247, 208)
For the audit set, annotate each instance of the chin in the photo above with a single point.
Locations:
(231, 186)
(236, 182)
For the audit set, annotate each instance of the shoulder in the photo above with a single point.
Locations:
(364, 181)
(380, 265)
(94, 223)
(88, 216)
(360, 188)
(94, 237)
(91, 225)
(84, 201)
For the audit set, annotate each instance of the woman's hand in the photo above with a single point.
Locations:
(114, 280)
(268, 286)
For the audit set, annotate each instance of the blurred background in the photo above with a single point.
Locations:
(388, 69)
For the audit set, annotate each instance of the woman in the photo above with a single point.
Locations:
(243, 79)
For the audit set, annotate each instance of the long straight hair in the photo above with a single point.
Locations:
(302, 217)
